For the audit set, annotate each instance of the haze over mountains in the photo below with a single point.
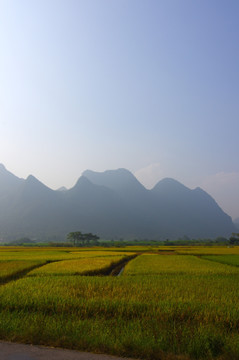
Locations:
(112, 204)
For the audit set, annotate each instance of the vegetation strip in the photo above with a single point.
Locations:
(20, 274)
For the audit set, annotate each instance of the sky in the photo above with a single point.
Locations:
(147, 85)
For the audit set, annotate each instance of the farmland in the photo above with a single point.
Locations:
(168, 303)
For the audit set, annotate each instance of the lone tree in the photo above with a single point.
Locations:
(78, 237)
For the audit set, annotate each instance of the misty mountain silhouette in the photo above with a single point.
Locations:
(236, 223)
(112, 204)
(121, 180)
(8, 182)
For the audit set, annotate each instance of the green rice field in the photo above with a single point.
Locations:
(175, 304)
(224, 259)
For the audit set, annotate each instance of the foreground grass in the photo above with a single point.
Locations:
(162, 307)
(138, 316)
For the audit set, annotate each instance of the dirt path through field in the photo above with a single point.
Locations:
(13, 351)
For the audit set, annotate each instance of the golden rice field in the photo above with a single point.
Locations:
(163, 306)
(9, 269)
(206, 250)
(53, 254)
(83, 266)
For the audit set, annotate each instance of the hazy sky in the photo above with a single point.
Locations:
(151, 86)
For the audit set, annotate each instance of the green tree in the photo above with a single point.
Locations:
(78, 237)
(75, 237)
(90, 237)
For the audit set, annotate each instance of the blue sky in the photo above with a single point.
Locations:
(151, 86)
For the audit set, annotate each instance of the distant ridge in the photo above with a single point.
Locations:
(120, 180)
(236, 223)
(112, 204)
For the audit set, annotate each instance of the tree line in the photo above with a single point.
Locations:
(77, 238)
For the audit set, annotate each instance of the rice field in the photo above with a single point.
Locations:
(54, 254)
(206, 250)
(9, 269)
(152, 264)
(83, 266)
(162, 307)
(224, 259)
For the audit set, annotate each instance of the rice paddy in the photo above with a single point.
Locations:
(83, 266)
(224, 259)
(162, 307)
(150, 264)
(10, 269)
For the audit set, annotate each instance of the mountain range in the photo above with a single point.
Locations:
(111, 204)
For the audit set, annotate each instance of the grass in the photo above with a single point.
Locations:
(136, 316)
(162, 307)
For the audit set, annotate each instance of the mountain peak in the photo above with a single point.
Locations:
(121, 172)
(82, 184)
(33, 183)
(83, 180)
(31, 178)
(169, 184)
(8, 181)
(119, 179)
(5, 172)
